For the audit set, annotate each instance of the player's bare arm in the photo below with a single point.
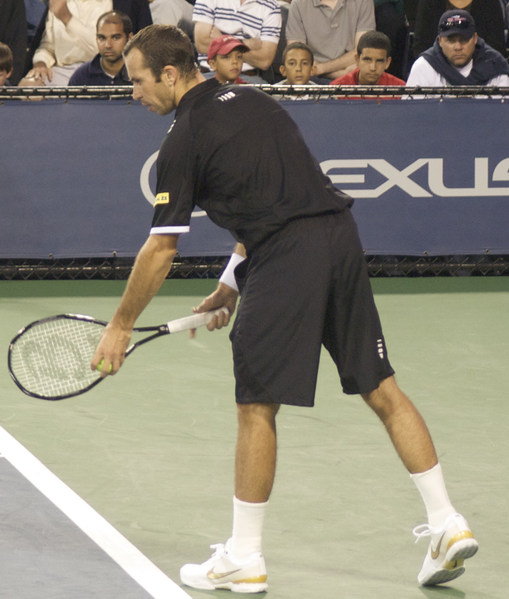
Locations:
(224, 296)
(150, 270)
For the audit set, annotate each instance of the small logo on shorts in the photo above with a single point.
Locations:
(380, 347)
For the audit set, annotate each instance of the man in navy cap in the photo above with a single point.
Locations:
(459, 57)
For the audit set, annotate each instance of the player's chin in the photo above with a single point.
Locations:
(160, 110)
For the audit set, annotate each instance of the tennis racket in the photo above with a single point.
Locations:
(50, 358)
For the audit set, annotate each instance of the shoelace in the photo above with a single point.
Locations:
(219, 550)
(425, 530)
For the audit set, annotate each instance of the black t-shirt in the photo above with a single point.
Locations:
(236, 153)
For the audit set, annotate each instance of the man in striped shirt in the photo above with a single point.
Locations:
(257, 23)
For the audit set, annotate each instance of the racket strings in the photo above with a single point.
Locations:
(52, 359)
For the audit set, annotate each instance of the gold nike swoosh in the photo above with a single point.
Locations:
(436, 552)
(215, 576)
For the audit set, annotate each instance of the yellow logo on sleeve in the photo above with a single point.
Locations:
(162, 198)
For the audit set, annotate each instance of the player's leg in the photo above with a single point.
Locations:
(255, 468)
(239, 565)
(255, 458)
(355, 340)
(276, 341)
(406, 427)
(452, 540)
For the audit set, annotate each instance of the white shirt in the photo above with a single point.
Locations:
(170, 12)
(75, 42)
(423, 74)
(252, 19)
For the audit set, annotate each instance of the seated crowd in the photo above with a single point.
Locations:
(348, 42)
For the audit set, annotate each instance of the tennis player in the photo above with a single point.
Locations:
(300, 271)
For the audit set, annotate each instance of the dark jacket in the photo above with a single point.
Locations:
(487, 64)
(487, 14)
(13, 32)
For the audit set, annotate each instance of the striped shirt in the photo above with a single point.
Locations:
(252, 19)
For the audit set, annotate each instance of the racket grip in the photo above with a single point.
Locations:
(194, 321)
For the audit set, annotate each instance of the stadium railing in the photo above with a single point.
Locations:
(119, 268)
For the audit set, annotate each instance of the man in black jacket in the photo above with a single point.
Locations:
(459, 57)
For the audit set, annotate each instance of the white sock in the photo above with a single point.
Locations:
(431, 486)
(247, 528)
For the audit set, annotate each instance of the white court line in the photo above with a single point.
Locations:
(122, 551)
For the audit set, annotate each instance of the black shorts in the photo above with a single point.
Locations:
(306, 285)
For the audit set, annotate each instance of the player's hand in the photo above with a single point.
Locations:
(223, 296)
(110, 353)
(40, 72)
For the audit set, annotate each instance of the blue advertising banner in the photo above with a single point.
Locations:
(77, 177)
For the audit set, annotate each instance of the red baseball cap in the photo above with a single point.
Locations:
(224, 45)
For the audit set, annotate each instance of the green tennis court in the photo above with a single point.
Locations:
(151, 450)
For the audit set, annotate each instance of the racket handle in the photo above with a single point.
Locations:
(194, 321)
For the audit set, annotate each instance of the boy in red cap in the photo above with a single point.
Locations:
(225, 57)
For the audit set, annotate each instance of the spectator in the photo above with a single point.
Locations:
(373, 58)
(332, 29)
(225, 58)
(257, 23)
(66, 37)
(487, 15)
(298, 65)
(13, 32)
(114, 30)
(459, 57)
(297, 69)
(5, 64)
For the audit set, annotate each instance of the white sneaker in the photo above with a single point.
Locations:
(222, 571)
(450, 545)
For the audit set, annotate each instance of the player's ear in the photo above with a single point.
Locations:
(356, 57)
(388, 63)
(169, 75)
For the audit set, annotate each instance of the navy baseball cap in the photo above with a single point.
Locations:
(456, 22)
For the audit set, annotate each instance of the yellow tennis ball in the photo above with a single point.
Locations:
(101, 364)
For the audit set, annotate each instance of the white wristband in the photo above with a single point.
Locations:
(228, 276)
